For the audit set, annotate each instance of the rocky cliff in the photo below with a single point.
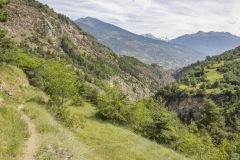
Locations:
(188, 108)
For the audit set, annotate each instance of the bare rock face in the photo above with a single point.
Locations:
(190, 106)
(187, 106)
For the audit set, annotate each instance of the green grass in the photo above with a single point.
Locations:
(183, 86)
(109, 141)
(215, 90)
(97, 140)
(52, 132)
(213, 75)
(13, 130)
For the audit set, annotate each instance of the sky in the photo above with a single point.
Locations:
(162, 18)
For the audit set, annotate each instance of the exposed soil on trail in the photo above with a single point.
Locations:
(32, 142)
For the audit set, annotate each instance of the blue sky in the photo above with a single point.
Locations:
(162, 18)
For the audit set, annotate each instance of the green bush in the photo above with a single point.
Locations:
(4, 16)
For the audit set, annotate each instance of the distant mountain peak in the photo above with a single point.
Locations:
(213, 33)
(147, 47)
(211, 43)
(149, 35)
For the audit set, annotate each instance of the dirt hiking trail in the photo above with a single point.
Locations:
(32, 142)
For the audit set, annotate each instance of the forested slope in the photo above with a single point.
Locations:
(208, 96)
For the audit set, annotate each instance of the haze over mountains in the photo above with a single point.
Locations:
(145, 49)
(210, 43)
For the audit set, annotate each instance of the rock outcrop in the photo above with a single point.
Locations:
(189, 107)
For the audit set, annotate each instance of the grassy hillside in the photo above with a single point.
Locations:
(67, 72)
(96, 140)
(13, 130)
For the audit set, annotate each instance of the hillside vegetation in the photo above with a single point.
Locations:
(214, 86)
(76, 111)
(57, 104)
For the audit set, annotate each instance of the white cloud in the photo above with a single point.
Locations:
(170, 18)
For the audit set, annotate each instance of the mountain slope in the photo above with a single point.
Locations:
(210, 43)
(42, 32)
(208, 97)
(83, 143)
(145, 49)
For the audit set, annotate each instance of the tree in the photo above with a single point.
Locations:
(8, 49)
(113, 105)
(211, 120)
(60, 81)
(141, 115)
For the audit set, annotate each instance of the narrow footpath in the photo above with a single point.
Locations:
(32, 142)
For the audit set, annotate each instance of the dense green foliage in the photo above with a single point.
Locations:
(8, 49)
(153, 120)
(218, 118)
(4, 2)
(90, 65)
(4, 15)
(56, 78)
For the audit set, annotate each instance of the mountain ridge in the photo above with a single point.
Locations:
(145, 49)
(211, 43)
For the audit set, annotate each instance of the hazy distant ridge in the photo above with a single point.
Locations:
(210, 43)
(145, 49)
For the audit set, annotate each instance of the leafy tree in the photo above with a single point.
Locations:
(113, 105)
(141, 115)
(212, 121)
(60, 81)
(8, 49)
